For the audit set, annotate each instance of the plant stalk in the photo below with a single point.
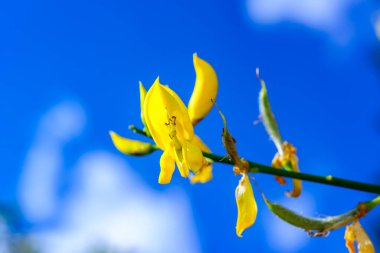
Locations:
(260, 168)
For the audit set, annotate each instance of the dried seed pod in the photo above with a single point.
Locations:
(229, 143)
(286, 155)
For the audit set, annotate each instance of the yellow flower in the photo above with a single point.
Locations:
(205, 90)
(131, 147)
(355, 232)
(169, 124)
(246, 204)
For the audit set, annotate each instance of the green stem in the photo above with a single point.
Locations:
(138, 131)
(372, 204)
(330, 180)
(260, 168)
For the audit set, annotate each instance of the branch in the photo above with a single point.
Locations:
(329, 180)
(260, 168)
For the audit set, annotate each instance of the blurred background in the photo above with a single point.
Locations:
(69, 73)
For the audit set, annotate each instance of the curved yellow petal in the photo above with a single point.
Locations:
(161, 103)
(167, 168)
(131, 147)
(246, 204)
(200, 144)
(203, 176)
(205, 90)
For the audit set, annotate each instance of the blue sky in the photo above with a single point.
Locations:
(69, 73)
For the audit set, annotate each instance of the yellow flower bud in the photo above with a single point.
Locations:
(246, 204)
(205, 90)
(131, 147)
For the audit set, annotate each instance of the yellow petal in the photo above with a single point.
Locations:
(364, 242)
(142, 99)
(193, 156)
(205, 173)
(246, 204)
(355, 232)
(203, 176)
(131, 147)
(160, 103)
(183, 167)
(167, 168)
(200, 144)
(205, 90)
(349, 236)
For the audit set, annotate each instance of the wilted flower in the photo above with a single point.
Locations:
(246, 204)
(355, 232)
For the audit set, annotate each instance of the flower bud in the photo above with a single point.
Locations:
(131, 147)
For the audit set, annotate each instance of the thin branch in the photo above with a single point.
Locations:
(138, 131)
(329, 180)
(260, 168)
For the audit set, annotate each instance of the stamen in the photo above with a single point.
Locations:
(171, 124)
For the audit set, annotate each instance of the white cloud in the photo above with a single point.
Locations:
(112, 207)
(331, 16)
(108, 205)
(43, 161)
